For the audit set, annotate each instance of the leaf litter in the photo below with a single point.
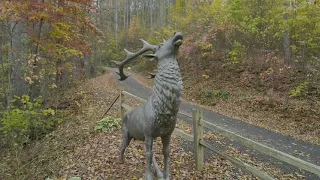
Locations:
(75, 149)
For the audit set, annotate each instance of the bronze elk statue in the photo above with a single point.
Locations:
(158, 116)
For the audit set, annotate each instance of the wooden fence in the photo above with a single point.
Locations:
(200, 144)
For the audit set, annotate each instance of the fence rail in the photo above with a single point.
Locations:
(199, 143)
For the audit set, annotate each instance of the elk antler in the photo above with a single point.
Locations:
(130, 56)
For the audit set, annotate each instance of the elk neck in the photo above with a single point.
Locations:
(167, 89)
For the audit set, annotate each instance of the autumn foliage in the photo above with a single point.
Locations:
(44, 46)
(55, 35)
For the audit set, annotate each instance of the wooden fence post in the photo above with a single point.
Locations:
(122, 110)
(197, 135)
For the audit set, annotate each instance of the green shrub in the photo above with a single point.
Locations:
(107, 124)
(298, 91)
(101, 71)
(237, 54)
(26, 120)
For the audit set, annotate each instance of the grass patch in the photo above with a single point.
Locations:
(211, 97)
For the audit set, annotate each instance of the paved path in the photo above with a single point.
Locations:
(303, 150)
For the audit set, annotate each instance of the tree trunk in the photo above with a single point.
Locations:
(286, 40)
(128, 21)
(3, 77)
(35, 87)
(87, 65)
(116, 21)
(167, 11)
(150, 10)
(17, 60)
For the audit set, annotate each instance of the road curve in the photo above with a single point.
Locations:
(303, 150)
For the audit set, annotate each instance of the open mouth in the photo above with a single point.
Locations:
(177, 41)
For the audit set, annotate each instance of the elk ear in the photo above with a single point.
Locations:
(150, 56)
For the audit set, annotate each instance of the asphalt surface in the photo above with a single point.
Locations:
(303, 150)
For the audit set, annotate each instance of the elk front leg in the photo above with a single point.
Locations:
(149, 143)
(166, 150)
(156, 167)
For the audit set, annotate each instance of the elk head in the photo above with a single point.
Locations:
(168, 50)
(131, 56)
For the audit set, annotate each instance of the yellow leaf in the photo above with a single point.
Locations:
(205, 76)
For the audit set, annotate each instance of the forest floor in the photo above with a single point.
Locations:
(76, 149)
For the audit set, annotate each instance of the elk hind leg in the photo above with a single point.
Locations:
(149, 143)
(126, 138)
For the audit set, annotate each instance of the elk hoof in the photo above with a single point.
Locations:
(148, 177)
(160, 176)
